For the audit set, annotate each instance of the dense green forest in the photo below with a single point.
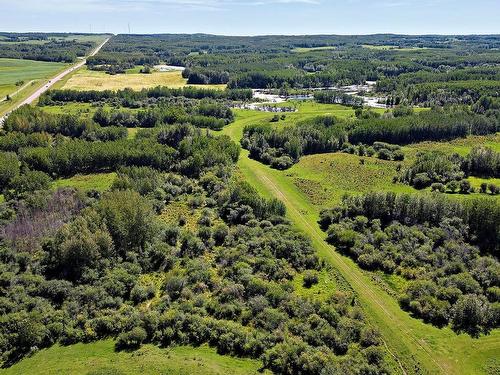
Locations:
(424, 70)
(78, 267)
(56, 47)
(150, 216)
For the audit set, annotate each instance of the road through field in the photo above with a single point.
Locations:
(417, 348)
(34, 96)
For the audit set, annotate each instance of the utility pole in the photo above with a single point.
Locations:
(129, 27)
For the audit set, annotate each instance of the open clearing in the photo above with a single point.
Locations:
(94, 80)
(418, 347)
(390, 48)
(461, 146)
(324, 178)
(99, 358)
(312, 49)
(96, 181)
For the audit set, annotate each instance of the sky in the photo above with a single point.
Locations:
(249, 17)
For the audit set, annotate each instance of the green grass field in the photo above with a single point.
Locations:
(80, 109)
(328, 283)
(391, 48)
(325, 178)
(312, 49)
(461, 146)
(96, 181)
(86, 79)
(15, 70)
(99, 358)
(417, 347)
(132, 132)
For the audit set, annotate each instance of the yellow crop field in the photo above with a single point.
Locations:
(93, 80)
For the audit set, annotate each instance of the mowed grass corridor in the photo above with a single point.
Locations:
(416, 347)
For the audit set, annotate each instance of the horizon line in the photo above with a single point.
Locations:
(248, 35)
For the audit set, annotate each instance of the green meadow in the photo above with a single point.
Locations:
(312, 49)
(100, 358)
(13, 71)
(97, 181)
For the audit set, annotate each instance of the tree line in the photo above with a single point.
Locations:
(128, 97)
(42, 49)
(368, 135)
(433, 125)
(32, 126)
(205, 76)
(209, 115)
(438, 169)
(337, 97)
(281, 148)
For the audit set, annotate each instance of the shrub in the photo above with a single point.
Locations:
(453, 186)
(398, 155)
(421, 181)
(369, 337)
(310, 278)
(282, 163)
(484, 188)
(131, 339)
(384, 154)
(465, 187)
(437, 186)
(220, 233)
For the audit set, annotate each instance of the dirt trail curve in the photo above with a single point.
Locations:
(54, 80)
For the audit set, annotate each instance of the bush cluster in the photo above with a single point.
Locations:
(448, 280)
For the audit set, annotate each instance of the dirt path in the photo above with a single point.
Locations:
(344, 268)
